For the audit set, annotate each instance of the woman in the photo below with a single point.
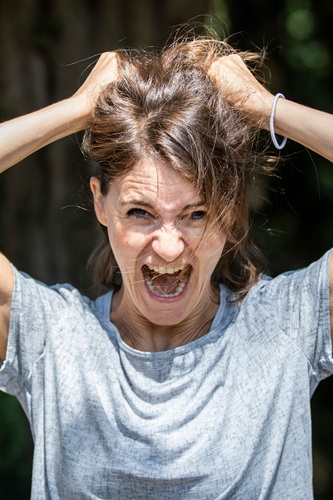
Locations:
(192, 377)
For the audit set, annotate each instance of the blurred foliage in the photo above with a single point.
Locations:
(39, 43)
(16, 450)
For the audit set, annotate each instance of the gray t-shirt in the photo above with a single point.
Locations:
(226, 416)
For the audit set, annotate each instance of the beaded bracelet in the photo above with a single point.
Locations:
(271, 124)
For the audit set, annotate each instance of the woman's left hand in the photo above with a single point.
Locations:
(242, 89)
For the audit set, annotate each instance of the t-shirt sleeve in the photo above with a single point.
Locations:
(35, 307)
(299, 302)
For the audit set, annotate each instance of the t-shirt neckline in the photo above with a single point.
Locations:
(214, 330)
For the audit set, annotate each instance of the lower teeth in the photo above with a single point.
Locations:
(179, 289)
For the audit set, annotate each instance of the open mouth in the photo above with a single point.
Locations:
(166, 282)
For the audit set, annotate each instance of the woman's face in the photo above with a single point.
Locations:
(158, 233)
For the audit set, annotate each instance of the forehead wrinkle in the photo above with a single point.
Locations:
(138, 201)
(158, 191)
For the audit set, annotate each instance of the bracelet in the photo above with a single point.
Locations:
(271, 124)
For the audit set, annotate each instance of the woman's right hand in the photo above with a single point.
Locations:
(103, 73)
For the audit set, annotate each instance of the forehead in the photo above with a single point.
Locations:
(155, 182)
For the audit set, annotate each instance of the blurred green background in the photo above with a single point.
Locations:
(42, 228)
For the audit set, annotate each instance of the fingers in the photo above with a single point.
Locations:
(233, 77)
(240, 87)
(106, 69)
(103, 73)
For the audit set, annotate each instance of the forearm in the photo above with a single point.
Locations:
(24, 135)
(309, 127)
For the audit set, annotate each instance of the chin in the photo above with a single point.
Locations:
(166, 316)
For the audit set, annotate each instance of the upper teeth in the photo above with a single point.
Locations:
(166, 270)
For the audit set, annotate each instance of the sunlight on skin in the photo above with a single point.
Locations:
(155, 217)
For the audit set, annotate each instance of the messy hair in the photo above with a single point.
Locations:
(164, 105)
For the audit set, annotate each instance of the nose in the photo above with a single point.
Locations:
(168, 243)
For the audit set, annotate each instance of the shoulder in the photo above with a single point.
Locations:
(296, 303)
(39, 300)
(37, 303)
(311, 279)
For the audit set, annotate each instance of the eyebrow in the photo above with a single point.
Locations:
(148, 205)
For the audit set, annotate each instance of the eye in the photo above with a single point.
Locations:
(198, 215)
(138, 213)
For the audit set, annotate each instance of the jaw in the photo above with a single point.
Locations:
(147, 320)
(162, 296)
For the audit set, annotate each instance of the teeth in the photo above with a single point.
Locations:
(180, 288)
(166, 270)
(176, 284)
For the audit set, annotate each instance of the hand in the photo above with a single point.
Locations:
(104, 72)
(242, 89)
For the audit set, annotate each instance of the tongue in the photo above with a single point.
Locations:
(163, 284)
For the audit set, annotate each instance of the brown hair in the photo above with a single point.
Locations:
(165, 105)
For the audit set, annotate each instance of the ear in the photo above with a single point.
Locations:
(95, 187)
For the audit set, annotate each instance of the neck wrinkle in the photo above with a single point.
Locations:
(141, 335)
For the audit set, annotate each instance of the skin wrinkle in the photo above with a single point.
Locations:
(159, 237)
(160, 263)
(230, 415)
(156, 109)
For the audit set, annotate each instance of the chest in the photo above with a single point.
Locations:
(199, 420)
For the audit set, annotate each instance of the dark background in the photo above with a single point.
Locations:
(44, 231)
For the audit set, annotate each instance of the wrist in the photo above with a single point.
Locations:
(79, 113)
(272, 123)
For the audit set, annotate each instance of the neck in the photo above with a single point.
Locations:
(139, 333)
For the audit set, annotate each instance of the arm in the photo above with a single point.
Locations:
(6, 291)
(309, 127)
(24, 135)
(313, 129)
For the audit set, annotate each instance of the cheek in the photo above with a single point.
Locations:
(211, 249)
(126, 245)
